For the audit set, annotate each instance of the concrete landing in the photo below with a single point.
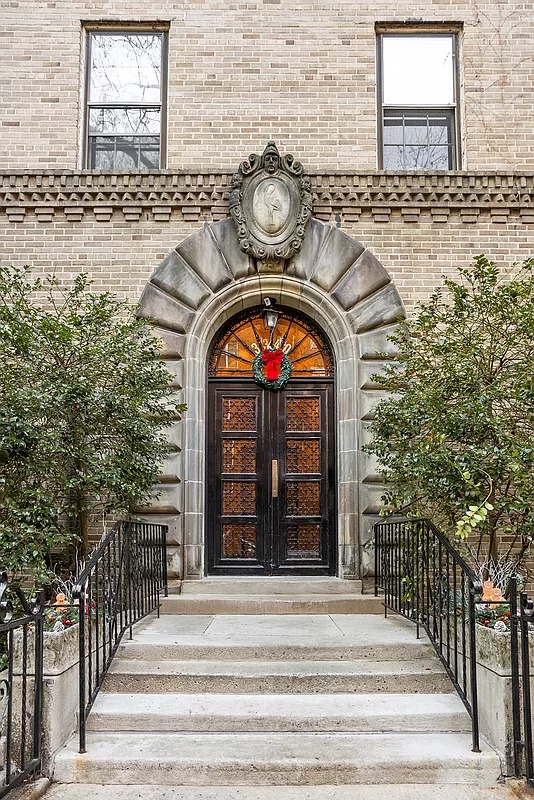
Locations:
(269, 585)
(278, 637)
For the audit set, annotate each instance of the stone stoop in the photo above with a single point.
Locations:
(277, 707)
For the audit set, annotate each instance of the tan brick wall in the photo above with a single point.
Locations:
(241, 73)
(121, 255)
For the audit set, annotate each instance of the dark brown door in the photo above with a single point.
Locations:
(270, 468)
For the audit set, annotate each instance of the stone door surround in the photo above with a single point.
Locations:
(205, 281)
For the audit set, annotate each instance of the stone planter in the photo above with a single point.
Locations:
(60, 687)
(494, 679)
(60, 691)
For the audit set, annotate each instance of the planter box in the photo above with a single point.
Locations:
(495, 693)
(494, 678)
(60, 687)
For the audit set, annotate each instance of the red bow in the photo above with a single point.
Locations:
(272, 361)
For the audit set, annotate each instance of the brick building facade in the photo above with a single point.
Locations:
(234, 76)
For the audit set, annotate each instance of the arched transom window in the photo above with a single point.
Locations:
(237, 346)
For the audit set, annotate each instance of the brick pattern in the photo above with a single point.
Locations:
(120, 255)
(242, 73)
(336, 197)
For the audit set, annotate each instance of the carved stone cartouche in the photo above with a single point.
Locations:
(270, 203)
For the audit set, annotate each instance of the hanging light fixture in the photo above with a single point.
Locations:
(270, 316)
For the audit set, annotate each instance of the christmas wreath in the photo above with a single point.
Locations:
(272, 368)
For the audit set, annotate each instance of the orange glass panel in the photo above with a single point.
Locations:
(303, 455)
(303, 541)
(239, 541)
(239, 414)
(239, 455)
(303, 498)
(303, 414)
(234, 352)
(238, 498)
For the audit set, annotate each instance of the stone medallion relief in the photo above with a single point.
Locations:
(270, 203)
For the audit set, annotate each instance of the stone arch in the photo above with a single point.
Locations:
(207, 279)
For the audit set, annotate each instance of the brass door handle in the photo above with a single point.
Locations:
(274, 477)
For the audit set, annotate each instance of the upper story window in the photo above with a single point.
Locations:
(125, 100)
(418, 105)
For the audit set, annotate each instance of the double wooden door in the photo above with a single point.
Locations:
(270, 462)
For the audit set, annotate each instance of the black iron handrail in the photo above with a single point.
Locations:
(121, 583)
(521, 625)
(426, 580)
(21, 676)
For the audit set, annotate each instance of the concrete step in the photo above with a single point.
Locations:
(269, 585)
(272, 604)
(385, 791)
(285, 677)
(255, 713)
(256, 759)
(167, 648)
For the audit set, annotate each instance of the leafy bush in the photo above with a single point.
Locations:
(84, 402)
(455, 440)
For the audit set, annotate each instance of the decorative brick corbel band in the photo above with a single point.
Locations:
(337, 197)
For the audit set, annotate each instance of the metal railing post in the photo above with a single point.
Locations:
(473, 670)
(81, 670)
(527, 706)
(514, 656)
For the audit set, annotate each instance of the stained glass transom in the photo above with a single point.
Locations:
(239, 498)
(239, 541)
(303, 498)
(302, 413)
(303, 455)
(239, 414)
(303, 541)
(239, 455)
(305, 346)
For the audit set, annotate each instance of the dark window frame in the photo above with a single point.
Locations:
(451, 110)
(126, 30)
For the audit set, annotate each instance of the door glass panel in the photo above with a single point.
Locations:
(303, 498)
(239, 414)
(303, 541)
(303, 455)
(302, 414)
(239, 455)
(239, 541)
(239, 498)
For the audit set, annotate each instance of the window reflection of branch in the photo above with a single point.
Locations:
(133, 151)
(428, 148)
(113, 54)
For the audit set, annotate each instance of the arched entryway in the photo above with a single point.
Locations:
(333, 280)
(270, 448)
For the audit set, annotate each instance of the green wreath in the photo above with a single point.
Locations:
(285, 371)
